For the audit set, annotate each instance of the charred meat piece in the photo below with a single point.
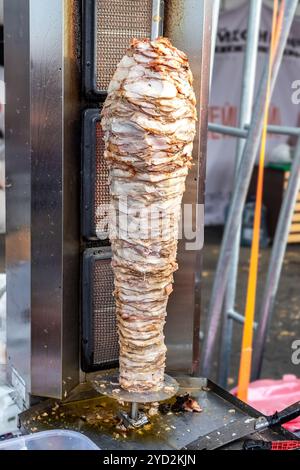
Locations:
(182, 403)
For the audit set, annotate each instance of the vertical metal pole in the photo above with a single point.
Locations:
(240, 193)
(275, 266)
(157, 15)
(247, 94)
(134, 411)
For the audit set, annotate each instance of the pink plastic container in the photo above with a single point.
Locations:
(268, 396)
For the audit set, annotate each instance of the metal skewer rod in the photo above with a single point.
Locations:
(134, 411)
(157, 14)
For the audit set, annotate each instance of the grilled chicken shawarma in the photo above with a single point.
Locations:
(149, 124)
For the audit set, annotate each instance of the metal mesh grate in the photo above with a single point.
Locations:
(105, 339)
(102, 197)
(117, 22)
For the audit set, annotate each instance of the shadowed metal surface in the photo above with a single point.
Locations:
(188, 25)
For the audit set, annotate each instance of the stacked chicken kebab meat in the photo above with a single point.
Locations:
(149, 125)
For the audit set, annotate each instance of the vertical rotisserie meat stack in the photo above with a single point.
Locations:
(149, 123)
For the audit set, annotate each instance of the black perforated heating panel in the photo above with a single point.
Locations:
(108, 28)
(104, 319)
(100, 347)
(95, 188)
(101, 203)
(117, 22)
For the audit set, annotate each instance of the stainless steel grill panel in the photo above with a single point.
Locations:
(117, 22)
(105, 340)
(102, 197)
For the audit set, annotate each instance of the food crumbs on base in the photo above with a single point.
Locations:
(120, 427)
(153, 410)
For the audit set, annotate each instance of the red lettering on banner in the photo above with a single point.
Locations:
(214, 113)
(225, 115)
(274, 118)
(229, 115)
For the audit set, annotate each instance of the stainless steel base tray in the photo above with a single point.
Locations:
(95, 416)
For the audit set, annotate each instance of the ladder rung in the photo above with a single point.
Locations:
(239, 318)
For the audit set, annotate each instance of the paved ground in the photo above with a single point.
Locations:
(285, 326)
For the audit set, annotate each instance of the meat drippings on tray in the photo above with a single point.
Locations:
(149, 123)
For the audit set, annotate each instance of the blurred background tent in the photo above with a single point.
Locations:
(225, 98)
